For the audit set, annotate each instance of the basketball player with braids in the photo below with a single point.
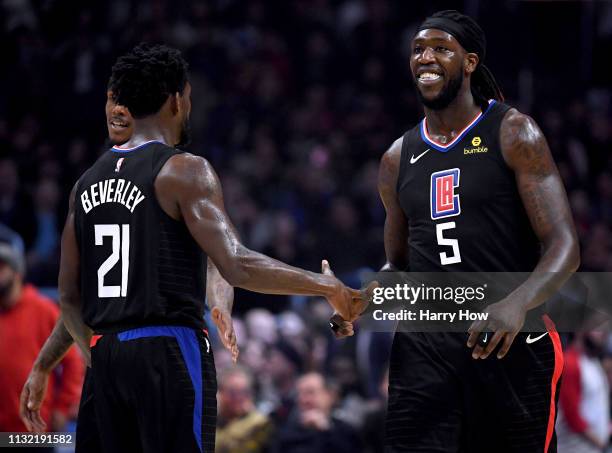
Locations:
(473, 187)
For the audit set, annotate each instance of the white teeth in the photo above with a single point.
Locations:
(429, 76)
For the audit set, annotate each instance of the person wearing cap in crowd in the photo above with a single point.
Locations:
(26, 320)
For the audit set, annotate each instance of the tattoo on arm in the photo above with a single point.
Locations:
(219, 292)
(55, 348)
(526, 152)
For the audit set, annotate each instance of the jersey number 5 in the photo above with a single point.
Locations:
(120, 236)
(454, 243)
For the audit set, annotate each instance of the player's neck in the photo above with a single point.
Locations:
(449, 121)
(151, 129)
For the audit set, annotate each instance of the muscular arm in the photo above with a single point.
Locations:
(68, 284)
(54, 349)
(35, 387)
(541, 189)
(396, 224)
(219, 293)
(188, 189)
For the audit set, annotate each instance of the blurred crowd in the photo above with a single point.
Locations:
(294, 103)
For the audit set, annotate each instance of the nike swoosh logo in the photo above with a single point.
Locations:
(530, 340)
(414, 159)
(485, 338)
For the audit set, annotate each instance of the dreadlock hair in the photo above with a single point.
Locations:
(472, 38)
(142, 79)
(484, 86)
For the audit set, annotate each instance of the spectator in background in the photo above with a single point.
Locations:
(240, 427)
(278, 381)
(583, 425)
(43, 257)
(312, 427)
(26, 320)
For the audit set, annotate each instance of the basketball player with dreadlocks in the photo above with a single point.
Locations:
(500, 206)
(141, 223)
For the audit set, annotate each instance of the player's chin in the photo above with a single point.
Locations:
(430, 92)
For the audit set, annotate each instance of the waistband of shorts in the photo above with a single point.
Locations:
(146, 332)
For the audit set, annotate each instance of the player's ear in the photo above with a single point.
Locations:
(471, 61)
(175, 103)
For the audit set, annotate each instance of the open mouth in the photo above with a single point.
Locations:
(116, 124)
(427, 77)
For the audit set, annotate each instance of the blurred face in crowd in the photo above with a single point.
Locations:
(9, 281)
(235, 398)
(313, 394)
(437, 66)
(279, 367)
(119, 121)
(594, 342)
(9, 178)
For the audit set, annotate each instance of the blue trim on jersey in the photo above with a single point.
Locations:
(456, 139)
(190, 349)
(129, 150)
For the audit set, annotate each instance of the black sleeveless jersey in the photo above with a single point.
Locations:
(138, 266)
(462, 203)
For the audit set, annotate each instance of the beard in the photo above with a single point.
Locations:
(446, 96)
(185, 138)
(5, 288)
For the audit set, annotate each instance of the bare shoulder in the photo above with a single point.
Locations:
(393, 154)
(390, 161)
(187, 170)
(522, 141)
(184, 181)
(72, 196)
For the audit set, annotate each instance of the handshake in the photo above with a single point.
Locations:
(348, 304)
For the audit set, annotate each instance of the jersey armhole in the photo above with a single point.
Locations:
(402, 166)
(159, 160)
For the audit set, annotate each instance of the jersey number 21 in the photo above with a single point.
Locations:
(120, 241)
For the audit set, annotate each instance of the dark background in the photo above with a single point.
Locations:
(294, 103)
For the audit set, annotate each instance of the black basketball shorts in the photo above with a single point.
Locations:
(442, 400)
(154, 391)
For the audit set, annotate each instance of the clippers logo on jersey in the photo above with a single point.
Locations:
(444, 201)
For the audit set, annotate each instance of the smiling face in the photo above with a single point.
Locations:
(119, 121)
(439, 66)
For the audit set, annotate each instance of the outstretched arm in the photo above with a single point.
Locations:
(68, 284)
(541, 189)
(188, 189)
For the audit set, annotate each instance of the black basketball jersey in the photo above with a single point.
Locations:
(139, 266)
(462, 203)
